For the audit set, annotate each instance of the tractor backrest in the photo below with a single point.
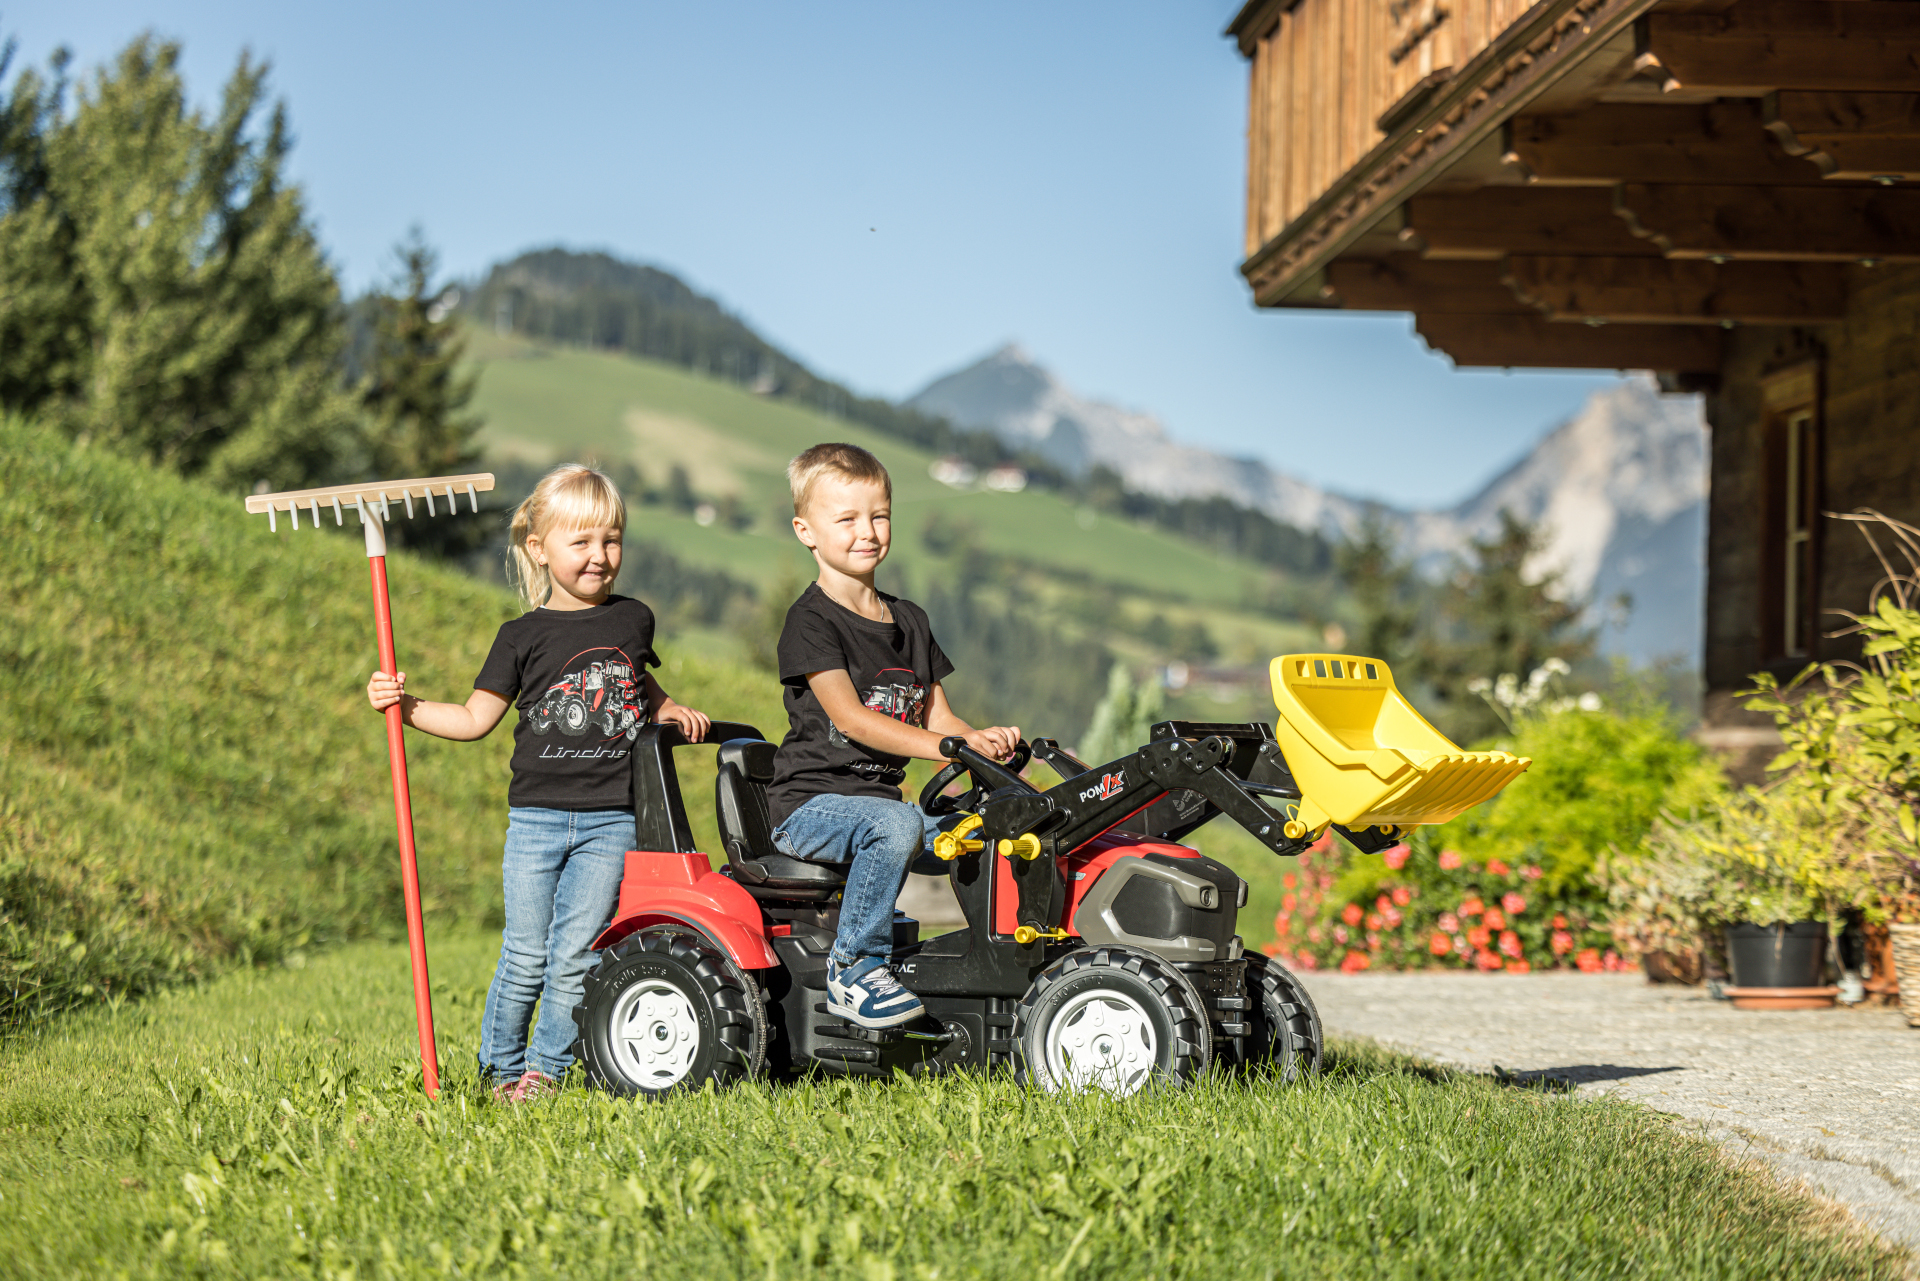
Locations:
(744, 768)
(659, 814)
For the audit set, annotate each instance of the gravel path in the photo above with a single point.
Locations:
(1828, 1096)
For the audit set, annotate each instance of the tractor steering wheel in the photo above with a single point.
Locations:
(933, 799)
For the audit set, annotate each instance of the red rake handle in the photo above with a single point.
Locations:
(403, 817)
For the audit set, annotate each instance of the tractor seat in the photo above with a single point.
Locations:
(740, 805)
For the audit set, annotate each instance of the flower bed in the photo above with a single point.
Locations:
(1417, 906)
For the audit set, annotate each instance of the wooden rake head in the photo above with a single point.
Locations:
(373, 501)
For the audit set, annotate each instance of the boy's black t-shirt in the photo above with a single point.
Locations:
(578, 679)
(893, 667)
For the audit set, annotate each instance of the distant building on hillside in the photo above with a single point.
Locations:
(1721, 191)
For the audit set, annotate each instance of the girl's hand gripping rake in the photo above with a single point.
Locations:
(374, 503)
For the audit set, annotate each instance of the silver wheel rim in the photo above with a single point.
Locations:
(1102, 1040)
(655, 1034)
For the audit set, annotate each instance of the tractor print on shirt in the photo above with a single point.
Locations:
(896, 693)
(603, 693)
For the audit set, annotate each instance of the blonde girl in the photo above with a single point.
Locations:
(576, 666)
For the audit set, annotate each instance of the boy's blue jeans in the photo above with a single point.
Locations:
(883, 839)
(562, 870)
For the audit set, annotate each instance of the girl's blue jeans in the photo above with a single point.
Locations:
(883, 839)
(562, 871)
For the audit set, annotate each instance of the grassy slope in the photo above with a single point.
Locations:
(267, 1125)
(189, 774)
(545, 404)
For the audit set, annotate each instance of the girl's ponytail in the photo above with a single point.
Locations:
(571, 496)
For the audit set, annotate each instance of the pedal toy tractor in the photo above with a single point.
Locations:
(1099, 951)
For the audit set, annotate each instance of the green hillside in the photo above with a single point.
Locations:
(189, 773)
(1136, 589)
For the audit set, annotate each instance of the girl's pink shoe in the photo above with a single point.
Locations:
(532, 1085)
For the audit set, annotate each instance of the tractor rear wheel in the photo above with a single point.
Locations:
(1286, 1027)
(1111, 1018)
(573, 717)
(665, 1009)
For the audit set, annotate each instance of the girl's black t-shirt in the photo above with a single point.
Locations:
(579, 679)
(893, 667)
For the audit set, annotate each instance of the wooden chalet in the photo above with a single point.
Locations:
(1726, 192)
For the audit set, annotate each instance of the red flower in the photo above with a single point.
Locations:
(1472, 906)
(1324, 844)
(1272, 949)
(1449, 922)
(1382, 903)
(1510, 944)
(1513, 903)
(1588, 960)
(1402, 896)
(1531, 872)
(1373, 941)
(1290, 880)
(1559, 921)
(1396, 857)
(1479, 936)
(1308, 961)
(1439, 945)
(1614, 961)
(1486, 960)
(1282, 924)
(1519, 967)
(1495, 919)
(1340, 934)
(1288, 902)
(1392, 917)
(1354, 962)
(1496, 868)
(1449, 860)
(1373, 920)
(1351, 914)
(1313, 934)
(1562, 942)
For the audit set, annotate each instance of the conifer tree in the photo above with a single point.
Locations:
(1385, 592)
(165, 287)
(414, 394)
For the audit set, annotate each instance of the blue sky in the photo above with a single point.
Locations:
(887, 190)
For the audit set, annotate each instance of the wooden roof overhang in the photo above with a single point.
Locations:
(1608, 183)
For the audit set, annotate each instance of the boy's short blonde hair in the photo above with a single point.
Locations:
(848, 461)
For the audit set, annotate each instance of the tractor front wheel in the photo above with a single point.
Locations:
(665, 1009)
(1286, 1026)
(573, 717)
(1111, 1018)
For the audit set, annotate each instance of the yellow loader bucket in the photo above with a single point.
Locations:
(1363, 757)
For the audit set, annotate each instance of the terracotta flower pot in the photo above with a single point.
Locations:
(1884, 987)
(1906, 963)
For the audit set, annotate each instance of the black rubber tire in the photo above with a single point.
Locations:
(1286, 1036)
(727, 1008)
(1183, 1040)
(541, 717)
(573, 717)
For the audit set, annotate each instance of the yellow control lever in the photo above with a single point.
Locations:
(1026, 847)
(1027, 934)
(951, 845)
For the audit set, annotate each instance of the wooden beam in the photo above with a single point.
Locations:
(1720, 142)
(1756, 46)
(1810, 224)
(1862, 136)
(1492, 222)
(1408, 282)
(1536, 343)
(1656, 290)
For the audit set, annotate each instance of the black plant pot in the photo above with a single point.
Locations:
(1780, 955)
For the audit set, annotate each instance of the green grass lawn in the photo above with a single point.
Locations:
(269, 1124)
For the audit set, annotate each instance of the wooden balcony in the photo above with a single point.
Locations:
(1667, 169)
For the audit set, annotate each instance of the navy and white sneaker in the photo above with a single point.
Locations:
(867, 994)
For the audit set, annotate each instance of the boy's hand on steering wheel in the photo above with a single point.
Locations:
(997, 742)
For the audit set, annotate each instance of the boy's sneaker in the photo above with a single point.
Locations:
(866, 993)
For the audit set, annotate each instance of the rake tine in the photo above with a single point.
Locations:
(293, 510)
(408, 495)
(453, 504)
(338, 519)
(429, 493)
(315, 505)
(473, 500)
(273, 524)
(386, 510)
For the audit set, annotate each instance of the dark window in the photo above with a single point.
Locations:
(1790, 552)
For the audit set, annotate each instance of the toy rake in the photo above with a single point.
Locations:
(375, 503)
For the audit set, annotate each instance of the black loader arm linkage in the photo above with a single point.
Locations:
(1197, 770)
